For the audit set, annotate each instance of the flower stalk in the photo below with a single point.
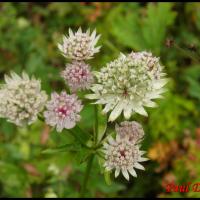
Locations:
(87, 174)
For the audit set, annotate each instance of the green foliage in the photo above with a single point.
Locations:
(166, 119)
(192, 76)
(139, 29)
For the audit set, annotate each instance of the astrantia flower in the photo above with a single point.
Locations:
(78, 76)
(133, 131)
(79, 45)
(21, 99)
(123, 156)
(128, 84)
(63, 111)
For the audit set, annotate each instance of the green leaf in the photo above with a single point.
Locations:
(101, 162)
(141, 30)
(67, 147)
(107, 177)
(102, 123)
(81, 136)
(166, 119)
(192, 76)
(83, 155)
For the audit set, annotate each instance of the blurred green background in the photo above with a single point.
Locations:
(29, 33)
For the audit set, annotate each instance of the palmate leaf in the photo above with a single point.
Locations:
(192, 76)
(125, 25)
(159, 17)
(141, 30)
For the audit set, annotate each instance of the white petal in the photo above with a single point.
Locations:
(79, 30)
(96, 40)
(88, 31)
(96, 73)
(159, 83)
(118, 138)
(117, 171)
(122, 55)
(107, 108)
(96, 87)
(143, 159)
(125, 174)
(151, 104)
(15, 76)
(7, 79)
(25, 76)
(142, 152)
(111, 140)
(68, 124)
(93, 34)
(132, 172)
(91, 96)
(105, 145)
(156, 94)
(59, 128)
(127, 111)
(108, 168)
(116, 111)
(60, 47)
(71, 34)
(139, 166)
(140, 110)
(96, 50)
(64, 38)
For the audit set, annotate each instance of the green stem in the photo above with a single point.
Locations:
(78, 138)
(111, 46)
(187, 53)
(96, 123)
(86, 177)
(90, 160)
(104, 135)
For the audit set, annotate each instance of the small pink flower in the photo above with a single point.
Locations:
(78, 76)
(63, 111)
(131, 130)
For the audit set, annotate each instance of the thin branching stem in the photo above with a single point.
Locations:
(78, 139)
(96, 123)
(86, 177)
(187, 53)
(90, 160)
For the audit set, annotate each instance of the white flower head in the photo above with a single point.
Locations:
(129, 83)
(123, 156)
(21, 99)
(79, 45)
(131, 130)
(63, 111)
(78, 76)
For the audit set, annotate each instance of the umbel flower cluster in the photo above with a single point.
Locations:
(123, 86)
(21, 99)
(122, 153)
(129, 83)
